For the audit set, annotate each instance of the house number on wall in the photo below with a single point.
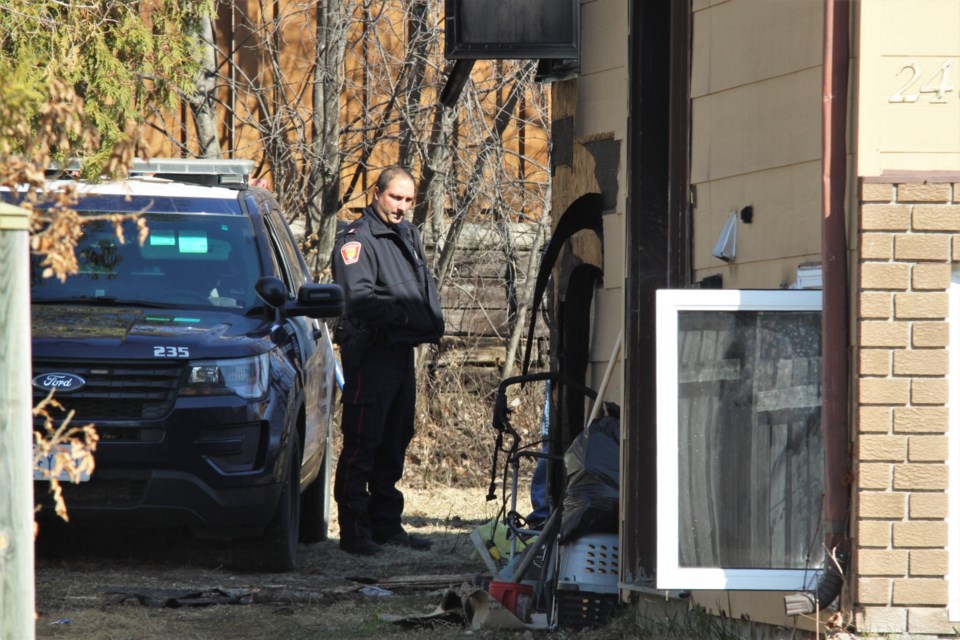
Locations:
(914, 75)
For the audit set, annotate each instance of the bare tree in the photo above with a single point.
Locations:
(75, 83)
(203, 101)
(324, 203)
(328, 92)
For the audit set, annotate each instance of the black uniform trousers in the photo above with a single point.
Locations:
(379, 400)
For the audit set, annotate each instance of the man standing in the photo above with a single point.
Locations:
(392, 305)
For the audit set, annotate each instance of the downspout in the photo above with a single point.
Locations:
(836, 315)
(835, 318)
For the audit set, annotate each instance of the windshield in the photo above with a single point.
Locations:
(207, 260)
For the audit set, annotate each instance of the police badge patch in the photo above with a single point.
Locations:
(350, 252)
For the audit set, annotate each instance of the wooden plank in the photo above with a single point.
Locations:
(777, 495)
(685, 542)
(691, 484)
(454, 342)
(489, 262)
(16, 456)
(480, 356)
(758, 542)
(482, 235)
(490, 267)
(490, 322)
(712, 371)
(813, 488)
(474, 294)
(433, 581)
(488, 560)
(687, 460)
(469, 379)
(795, 485)
(709, 345)
(714, 507)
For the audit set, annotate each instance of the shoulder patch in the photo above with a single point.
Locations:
(350, 252)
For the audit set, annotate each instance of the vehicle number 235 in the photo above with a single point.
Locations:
(171, 352)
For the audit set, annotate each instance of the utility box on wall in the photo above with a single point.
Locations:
(527, 30)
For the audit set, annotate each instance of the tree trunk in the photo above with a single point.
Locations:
(16, 474)
(432, 190)
(418, 42)
(324, 174)
(202, 101)
(517, 331)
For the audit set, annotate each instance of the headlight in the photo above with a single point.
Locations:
(246, 377)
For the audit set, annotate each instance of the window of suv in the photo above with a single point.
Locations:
(194, 259)
(286, 248)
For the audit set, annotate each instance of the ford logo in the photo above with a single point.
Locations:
(61, 382)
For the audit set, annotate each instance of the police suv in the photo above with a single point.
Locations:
(199, 356)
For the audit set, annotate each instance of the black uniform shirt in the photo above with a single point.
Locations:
(390, 295)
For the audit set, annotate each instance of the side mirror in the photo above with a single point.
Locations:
(318, 301)
(272, 291)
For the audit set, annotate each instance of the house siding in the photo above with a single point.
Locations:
(755, 138)
(908, 235)
(592, 159)
(755, 107)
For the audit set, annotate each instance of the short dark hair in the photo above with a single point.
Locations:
(390, 174)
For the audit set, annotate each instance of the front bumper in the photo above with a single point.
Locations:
(213, 463)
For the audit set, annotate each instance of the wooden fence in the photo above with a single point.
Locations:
(479, 297)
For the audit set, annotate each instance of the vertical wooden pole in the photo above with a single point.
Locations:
(16, 467)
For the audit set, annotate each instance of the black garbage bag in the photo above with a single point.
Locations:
(591, 503)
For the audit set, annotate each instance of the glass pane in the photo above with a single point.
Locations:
(192, 260)
(751, 453)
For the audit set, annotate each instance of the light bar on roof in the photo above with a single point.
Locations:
(193, 166)
(182, 166)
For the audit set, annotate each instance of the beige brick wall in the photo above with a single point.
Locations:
(910, 240)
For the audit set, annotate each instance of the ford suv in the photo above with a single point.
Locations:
(201, 358)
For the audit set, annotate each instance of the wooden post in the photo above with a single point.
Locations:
(16, 451)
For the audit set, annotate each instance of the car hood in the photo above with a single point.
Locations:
(87, 331)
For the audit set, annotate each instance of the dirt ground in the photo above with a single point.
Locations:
(134, 584)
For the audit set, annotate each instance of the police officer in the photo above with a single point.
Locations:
(392, 305)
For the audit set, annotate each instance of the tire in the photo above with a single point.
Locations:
(315, 505)
(276, 550)
(53, 538)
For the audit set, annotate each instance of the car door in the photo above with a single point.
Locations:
(309, 335)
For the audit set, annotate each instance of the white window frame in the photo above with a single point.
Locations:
(953, 449)
(670, 302)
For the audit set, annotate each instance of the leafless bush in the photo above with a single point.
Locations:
(324, 96)
(455, 440)
(35, 127)
(62, 450)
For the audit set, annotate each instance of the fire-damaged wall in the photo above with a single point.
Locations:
(581, 165)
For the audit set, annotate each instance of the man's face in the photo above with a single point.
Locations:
(392, 203)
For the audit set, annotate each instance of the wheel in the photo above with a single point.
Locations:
(315, 504)
(276, 550)
(53, 538)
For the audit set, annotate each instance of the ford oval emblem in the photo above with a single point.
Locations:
(60, 382)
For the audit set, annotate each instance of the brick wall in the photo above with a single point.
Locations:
(909, 241)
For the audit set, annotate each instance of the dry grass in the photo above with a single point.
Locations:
(454, 442)
(445, 487)
(319, 600)
(455, 438)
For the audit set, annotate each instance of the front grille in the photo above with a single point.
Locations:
(96, 492)
(116, 391)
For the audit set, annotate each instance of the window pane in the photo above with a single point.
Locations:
(194, 260)
(750, 445)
